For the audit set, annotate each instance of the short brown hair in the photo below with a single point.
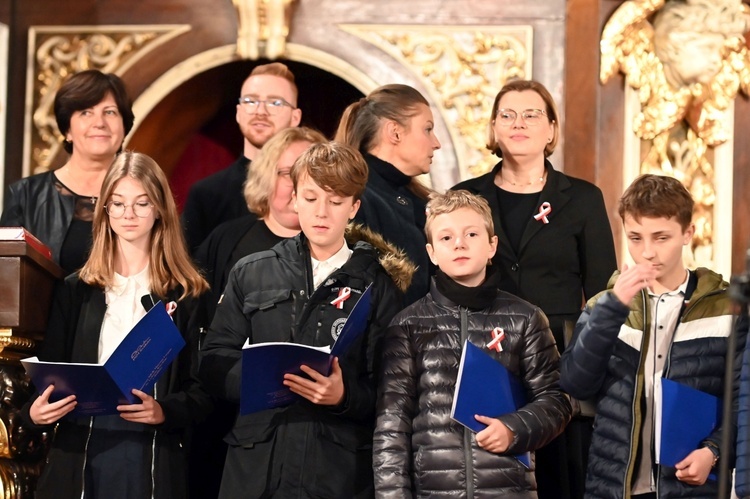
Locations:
(657, 196)
(277, 69)
(441, 204)
(261, 177)
(335, 167)
(551, 110)
(87, 89)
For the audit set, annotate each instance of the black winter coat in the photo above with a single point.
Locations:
(606, 359)
(302, 450)
(73, 336)
(34, 203)
(393, 211)
(214, 200)
(418, 450)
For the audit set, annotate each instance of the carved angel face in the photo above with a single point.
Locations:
(693, 58)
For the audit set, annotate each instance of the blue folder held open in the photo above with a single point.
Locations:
(137, 362)
(264, 364)
(485, 387)
(684, 418)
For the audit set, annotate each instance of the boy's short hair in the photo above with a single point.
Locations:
(335, 167)
(441, 204)
(657, 196)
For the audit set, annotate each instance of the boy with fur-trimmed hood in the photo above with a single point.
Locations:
(301, 291)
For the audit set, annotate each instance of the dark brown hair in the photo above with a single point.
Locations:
(657, 196)
(361, 121)
(335, 167)
(87, 89)
(550, 109)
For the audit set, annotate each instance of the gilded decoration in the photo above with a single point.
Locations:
(462, 67)
(687, 60)
(55, 52)
(263, 27)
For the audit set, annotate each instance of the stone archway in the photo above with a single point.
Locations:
(186, 119)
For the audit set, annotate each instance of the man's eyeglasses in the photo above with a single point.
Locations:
(532, 117)
(116, 209)
(273, 106)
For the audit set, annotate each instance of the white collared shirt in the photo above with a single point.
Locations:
(322, 269)
(124, 310)
(665, 313)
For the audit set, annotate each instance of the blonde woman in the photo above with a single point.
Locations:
(138, 257)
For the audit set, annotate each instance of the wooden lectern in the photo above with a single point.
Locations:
(27, 280)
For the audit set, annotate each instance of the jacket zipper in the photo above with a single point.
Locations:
(468, 454)
(638, 386)
(85, 456)
(153, 458)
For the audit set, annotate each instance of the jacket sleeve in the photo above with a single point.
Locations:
(13, 215)
(57, 338)
(220, 366)
(193, 220)
(397, 404)
(548, 410)
(360, 380)
(596, 248)
(584, 362)
(188, 403)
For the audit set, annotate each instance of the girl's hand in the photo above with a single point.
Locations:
(44, 413)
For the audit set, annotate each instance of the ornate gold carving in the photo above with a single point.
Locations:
(687, 67)
(462, 68)
(59, 51)
(263, 27)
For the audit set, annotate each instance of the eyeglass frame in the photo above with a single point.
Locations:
(272, 110)
(125, 207)
(517, 114)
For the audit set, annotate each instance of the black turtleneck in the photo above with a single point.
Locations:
(386, 170)
(473, 297)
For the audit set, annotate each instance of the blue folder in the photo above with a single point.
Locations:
(137, 362)
(264, 364)
(486, 387)
(688, 416)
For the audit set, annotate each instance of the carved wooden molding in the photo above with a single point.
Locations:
(55, 52)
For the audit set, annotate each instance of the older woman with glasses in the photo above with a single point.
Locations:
(555, 245)
(94, 115)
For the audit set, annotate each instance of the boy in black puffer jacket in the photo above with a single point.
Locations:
(418, 450)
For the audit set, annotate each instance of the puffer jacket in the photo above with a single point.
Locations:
(742, 475)
(34, 203)
(605, 360)
(418, 450)
(303, 450)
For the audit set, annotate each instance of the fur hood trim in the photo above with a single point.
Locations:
(394, 260)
